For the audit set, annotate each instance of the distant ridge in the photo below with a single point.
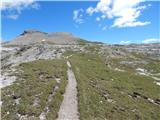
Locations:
(34, 36)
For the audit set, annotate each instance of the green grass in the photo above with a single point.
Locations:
(98, 85)
(153, 67)
(30, 87)
(103, 93)
(83, 42)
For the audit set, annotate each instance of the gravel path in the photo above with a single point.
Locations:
(69, 106)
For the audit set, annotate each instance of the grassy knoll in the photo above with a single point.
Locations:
(104, 93)
(29, 94)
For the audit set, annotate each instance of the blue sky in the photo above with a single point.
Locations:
(54, 16)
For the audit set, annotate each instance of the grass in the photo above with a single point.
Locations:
(103, 93)
(153, 67)
(83, 42)
(106, 94)
(33, 88)
(150, 65)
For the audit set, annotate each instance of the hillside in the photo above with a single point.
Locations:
(45, 75)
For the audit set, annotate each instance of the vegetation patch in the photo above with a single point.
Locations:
(29, 95)
(104, 93)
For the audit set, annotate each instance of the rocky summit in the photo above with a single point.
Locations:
(35, 36)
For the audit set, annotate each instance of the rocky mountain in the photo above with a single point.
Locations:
(34, 36)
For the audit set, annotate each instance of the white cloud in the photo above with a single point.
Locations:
(90, 10)
(103, 16)
(151, 40)
(120, 23)
(98, 18)
(14, 17)
(78, 16)
(124, 13)
(13, 8)
(15, 4)
(125, 42)
(104, 28)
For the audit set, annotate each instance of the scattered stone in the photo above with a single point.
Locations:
(138, 95)
(120, 70)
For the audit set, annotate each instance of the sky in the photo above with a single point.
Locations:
(108, 21)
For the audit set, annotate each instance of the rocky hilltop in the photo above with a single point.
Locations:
(34, 36)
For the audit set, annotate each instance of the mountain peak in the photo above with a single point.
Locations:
(32, 36)
(31, 31)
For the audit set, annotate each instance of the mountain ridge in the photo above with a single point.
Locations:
(35, 36)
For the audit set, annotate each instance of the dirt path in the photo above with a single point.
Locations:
(69, 106)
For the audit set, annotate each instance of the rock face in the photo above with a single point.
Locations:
(34, 36)
(25, 53)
